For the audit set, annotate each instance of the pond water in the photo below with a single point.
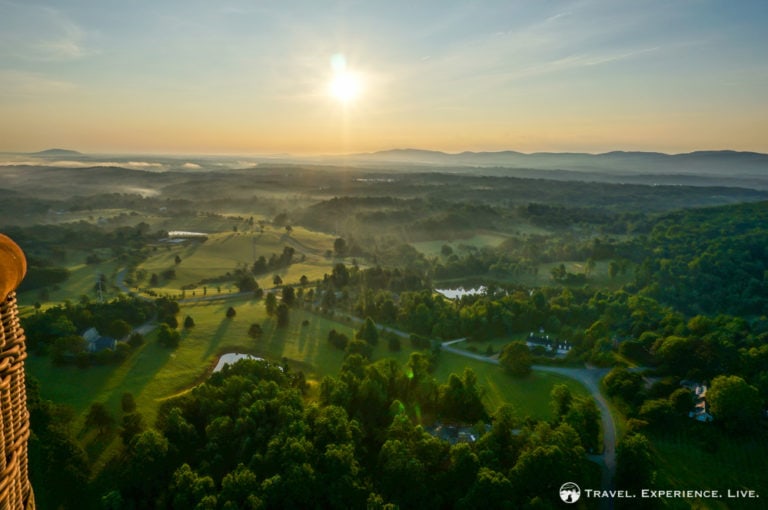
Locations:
(232, 357)
(185, 233)
(461, 292)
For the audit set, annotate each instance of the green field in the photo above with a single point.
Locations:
(736, 463)
(81, 281)
(433, 248)
(530, 395)
(153, 373)
(223, 252)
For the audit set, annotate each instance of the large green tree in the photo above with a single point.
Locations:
(634, 463)
(516, 359)
(734, 403)
(99, 417)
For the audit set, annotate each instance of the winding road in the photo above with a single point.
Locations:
(590, 378)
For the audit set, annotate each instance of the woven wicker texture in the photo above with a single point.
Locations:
(15, 489)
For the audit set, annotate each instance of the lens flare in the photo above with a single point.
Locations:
(345, 85)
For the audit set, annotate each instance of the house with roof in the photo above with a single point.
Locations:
(700, 410)
(96, 342)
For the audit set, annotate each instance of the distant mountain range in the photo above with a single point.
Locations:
(57, 153)
(700, 168)
(703, 163)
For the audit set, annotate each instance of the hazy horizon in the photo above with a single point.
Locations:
(455, 152)
(307, 78)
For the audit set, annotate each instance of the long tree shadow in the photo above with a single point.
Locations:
(140, 369)
(218, 335)
(277, 339)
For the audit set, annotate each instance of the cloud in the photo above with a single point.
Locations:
(191, 166)
(131, 165)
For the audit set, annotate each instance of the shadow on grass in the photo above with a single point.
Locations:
(277, 339)
(217, 337)
(95, 443)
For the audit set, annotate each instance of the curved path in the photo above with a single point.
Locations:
(590, 378)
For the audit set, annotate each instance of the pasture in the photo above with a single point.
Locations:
(710, 459)
(223, 252)
(82, 280)
(459, 244)
(154, 373)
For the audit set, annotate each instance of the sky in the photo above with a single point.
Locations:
(329, 77)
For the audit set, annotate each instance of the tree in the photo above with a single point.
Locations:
(613, 269)
(245, 281)
(255, 331)
(99, 417)
(516, 359)
(459, 399)
(289, 295)
(189, 489)
(177, 260)
(136, 339)
(231, 312)
(338, 340)
(368, 332)
(622, 383)
(276, 280)
(364, 349)
(634, 463)
(270, 303)
(189, 322)
(67, 347)
(340, 247)
(657, 412)
(682, 401)
(303, 281)
(168, 337)
(147, 466)
(559, 273)
(560, 399)
(260, 266)
(589, 266)
(734, 403)
(584, 417)
(133, 423)
(127, 403)
(118, 328)
(282, 315)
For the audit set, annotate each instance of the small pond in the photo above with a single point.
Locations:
(461, 292)
(232, 357)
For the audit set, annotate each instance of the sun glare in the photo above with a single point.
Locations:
(345, 86)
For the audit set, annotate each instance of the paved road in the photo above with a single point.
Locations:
(590, 378)
(120, 281)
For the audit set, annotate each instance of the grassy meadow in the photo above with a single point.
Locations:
(715, 461)
(223, 252)
(480, 240)
(154, 374)
(81, 281)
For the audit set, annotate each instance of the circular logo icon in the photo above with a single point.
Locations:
(570, 492)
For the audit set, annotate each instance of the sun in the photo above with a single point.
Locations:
(345, 86)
